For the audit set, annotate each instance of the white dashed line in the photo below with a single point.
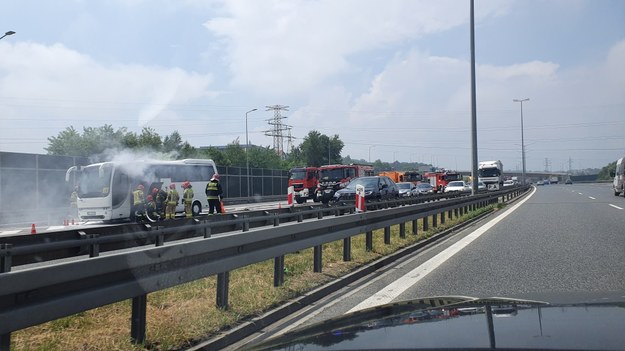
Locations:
(592, 198)
(580, 193)
(620, 208)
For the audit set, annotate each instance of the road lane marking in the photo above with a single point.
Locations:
(620, 208)
(580, 193)
(396, 288)
(592, 198)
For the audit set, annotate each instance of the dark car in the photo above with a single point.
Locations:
(568, 181)
(376, 188)
(477, 324)
(424, 188)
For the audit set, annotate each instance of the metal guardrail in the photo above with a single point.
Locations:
(39, 294)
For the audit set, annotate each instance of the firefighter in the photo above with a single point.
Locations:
(187, 199)
(73, 203)
(172, 201)
(213, 195)
(138, 201)
(160, 198)
(150, 208)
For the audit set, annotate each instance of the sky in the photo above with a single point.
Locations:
(390, 78)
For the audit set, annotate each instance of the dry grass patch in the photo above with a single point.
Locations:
(179, 315)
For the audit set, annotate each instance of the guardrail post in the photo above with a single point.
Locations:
(278, 271)
(246, 223)
(402, 230)
(414, 227)
(318, 259)
(223, 282)
(425, 223)
(434, 221)
(449, 214)
(138, 320)
(319, 214)
(5, 258)
(387, 235)
(94, 248)
(369, 241)
(456, 212)
(443, 217)
(276, 220)
(208, 231)
(5, 342)
(347, 249)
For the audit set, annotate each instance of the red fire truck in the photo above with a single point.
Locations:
(440, 178)
(335, 177)
(304, 182)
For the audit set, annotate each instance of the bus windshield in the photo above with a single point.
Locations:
(93, 182)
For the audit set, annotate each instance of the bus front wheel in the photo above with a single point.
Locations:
(196, 208)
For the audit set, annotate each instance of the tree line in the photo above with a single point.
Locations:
(102, 143)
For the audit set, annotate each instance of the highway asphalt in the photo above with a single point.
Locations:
(563, 243)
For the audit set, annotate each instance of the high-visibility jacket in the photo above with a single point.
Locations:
(172, 197)
(213, 189)
(138, 197)
(188, 195)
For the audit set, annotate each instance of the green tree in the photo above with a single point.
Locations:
(604, 173)
(235, 154)
(318, 149)
(150, 140)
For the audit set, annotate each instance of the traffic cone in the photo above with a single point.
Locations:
(279, 205)
(32, 229)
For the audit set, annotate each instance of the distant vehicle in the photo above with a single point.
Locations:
(553, 179)
(568, 181)
(540, 182)
(376, 188)
(403, 176)
(407, 189)
(304, 182)
(335, 177)
(458, 185)
(105, 189)
(509, 183)
(491, 173)
(424, 188)
(439, 179)
(618, 184)
(481, 186)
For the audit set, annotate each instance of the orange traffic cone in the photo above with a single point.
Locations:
(32, 229)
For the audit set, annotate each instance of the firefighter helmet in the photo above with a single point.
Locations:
(172, 186)
(140, 187)
(149, 198)
(186, 184)
(216, 176)
(154, 191)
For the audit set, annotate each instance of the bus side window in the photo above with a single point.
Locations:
(121, 188)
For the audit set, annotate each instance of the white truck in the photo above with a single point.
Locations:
(491, 174)
(619, 177)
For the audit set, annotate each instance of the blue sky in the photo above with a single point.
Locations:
(390, 78)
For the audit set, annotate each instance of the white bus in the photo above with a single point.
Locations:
(105, 189)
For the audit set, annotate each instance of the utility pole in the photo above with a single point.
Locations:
(474, 160)
(522, 139)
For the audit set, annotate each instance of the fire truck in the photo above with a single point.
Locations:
(304, 182)
(407, 176)
(335, 177)
(440, 178)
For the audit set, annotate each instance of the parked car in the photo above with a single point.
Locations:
(424, 188)
(540, 182)
(407, 189)
(458, 185)
(376, 188)
(568, 181)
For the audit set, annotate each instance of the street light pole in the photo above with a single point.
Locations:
(522, 139)
(247, 158)
(7, 34)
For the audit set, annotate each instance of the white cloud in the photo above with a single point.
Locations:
(286, 47)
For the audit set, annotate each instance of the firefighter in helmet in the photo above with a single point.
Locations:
(187, 199)
(172, 201)
(150, 208)
(213, 195)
